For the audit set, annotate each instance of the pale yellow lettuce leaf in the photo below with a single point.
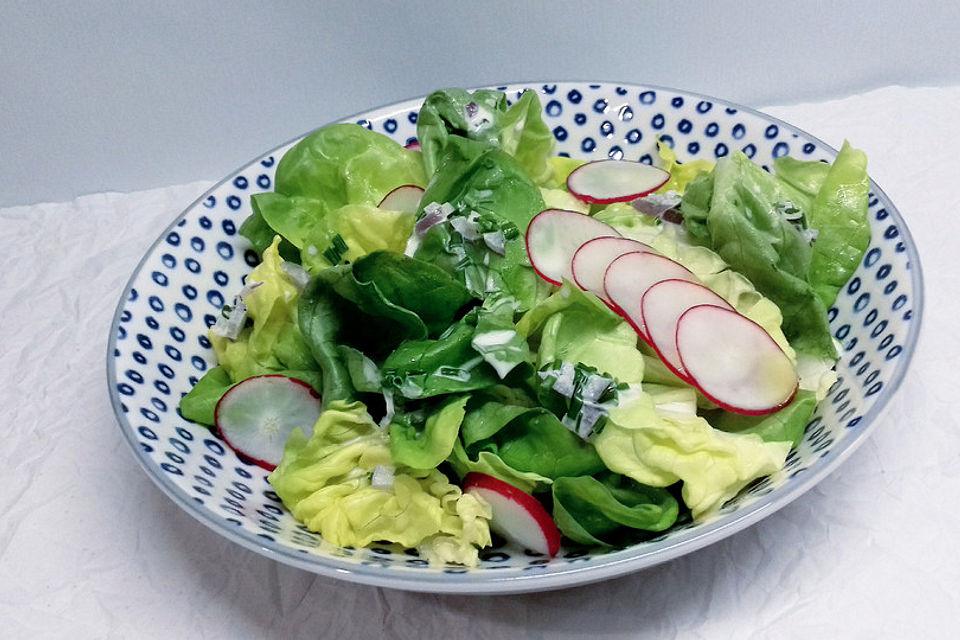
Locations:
(325, 482)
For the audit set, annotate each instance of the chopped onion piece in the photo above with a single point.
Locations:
(234, 317)
(496, 242)
(382, 477)
(656, 204)
(297, 274)
(434, 213)
(467, 226)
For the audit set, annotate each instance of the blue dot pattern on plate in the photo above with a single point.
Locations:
(159, 346)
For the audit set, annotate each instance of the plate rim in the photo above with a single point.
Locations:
(571, 575)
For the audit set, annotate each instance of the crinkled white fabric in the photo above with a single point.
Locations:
(90, 548)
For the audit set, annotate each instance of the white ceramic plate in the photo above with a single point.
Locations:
(158, 346)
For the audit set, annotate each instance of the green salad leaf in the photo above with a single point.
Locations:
(426, 368)
(490, 201)
(427, 446)
(321, 322)
(610, 509)
(838, 211)
(786, 425)
(738, 211)
(272, 341)
(326, 189)
(536, 441)
(200, 403)
(659, 447)
(423, 288)
(575, 326)
(325, 481)
(347, 164)
(486, 117)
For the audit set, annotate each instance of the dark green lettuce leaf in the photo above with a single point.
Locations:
(418, 286)
(426, 368)
(320, 321)
(490, 192)
(610, 510)
(536, 441)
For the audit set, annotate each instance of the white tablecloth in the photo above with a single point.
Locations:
(90, 548)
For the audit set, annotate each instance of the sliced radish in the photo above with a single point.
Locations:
(609, 181)
(734, 361)
(413, 146)
(405, 199)
(660, 309)
(590, 262)
(256, 415)
(554, 235)
(628, 278)
(517, 515)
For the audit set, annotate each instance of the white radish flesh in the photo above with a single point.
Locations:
(609, 181)
(554, 235)
(405, 199)
(256, 415)
(516, 515)
(628, 278)
(660, 309)
(590, 262)
(734, 361)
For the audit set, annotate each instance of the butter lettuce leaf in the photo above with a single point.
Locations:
(660, 448)
(335, 166)
(328, 237)
(420, 369)
(838, 211)
(491, 464)
(681, 174)
(485, 116)
(738, 211)
(321, 324)
(325, 481)
(416, 285)
(273, 341)
(786, 425)
(575, 326)
(496, 338)
(347, 164)
(427, 447)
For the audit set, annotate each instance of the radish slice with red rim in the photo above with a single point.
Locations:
(734, 361)
(554, 235)
(661, 307)
(405, 199)
(516, 514)
(628, 278)
(257, 414)
(609, 181)
(590, 262)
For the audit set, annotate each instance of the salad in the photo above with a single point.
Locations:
(474, 333)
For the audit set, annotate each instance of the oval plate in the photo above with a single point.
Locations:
(158, 346)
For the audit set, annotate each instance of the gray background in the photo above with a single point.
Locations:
(103, 95)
